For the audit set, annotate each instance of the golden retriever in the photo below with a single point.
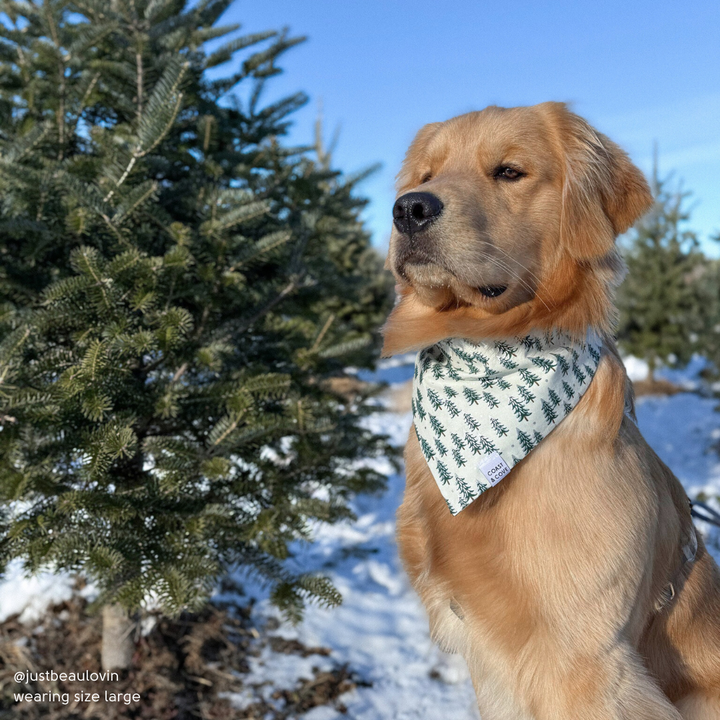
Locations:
(553, 584)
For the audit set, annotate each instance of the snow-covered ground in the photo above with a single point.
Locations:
(381, 630)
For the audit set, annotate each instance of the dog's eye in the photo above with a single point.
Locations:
(426, 178)
(505, 172)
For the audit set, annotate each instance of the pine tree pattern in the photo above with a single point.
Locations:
(519, 408)
(490, 400)
(434, 399)
(498, 427)
(548, 411)
(476, 402)
(440, 447)
(525, 394)
(452, 408)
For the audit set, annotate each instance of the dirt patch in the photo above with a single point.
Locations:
(181, 669)
(399, 397)
(656, 387)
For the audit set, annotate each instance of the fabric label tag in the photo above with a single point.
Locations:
(494, 468)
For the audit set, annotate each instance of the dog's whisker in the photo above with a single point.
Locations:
(504, 266)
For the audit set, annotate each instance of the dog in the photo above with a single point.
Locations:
(575, 586)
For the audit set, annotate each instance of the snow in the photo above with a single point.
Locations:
(381, 630)
(29, 596)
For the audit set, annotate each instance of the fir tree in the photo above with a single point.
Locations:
(452, 408)
(507, 363)
(457, 441)
(440, 447)
(525, 442)
(471, 422)
(452, 372)
(525, 394)
(578, 373)
(427, 451)
(458, 457)
(437, 426)
(661, 300)
(548, 411)
(487, 445)
(466, 496)
(543, 363)
(521, 412)
(419, 409)
(498, 427)
(567, 389)
(554, 397)
(473, 444)
(562, 362)
(180, 290)
(434, 399)
(505, 348)
(450, 392)
(529, 377)
(445, 475)
(490, 400)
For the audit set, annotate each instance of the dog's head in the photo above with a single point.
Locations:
(505, 221)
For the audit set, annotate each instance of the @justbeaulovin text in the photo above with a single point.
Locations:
(27, 676)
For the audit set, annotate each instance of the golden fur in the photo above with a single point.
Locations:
(547, 583)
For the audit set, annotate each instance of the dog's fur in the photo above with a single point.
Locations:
(547, 583)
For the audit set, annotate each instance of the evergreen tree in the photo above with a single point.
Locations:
(660, 302)
(179, 291)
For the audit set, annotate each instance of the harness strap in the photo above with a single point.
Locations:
(688, 553)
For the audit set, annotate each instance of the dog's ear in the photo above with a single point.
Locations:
(416, 157)
(603, 192)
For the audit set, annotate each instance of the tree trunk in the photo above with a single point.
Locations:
(117, 641)
(651, 369)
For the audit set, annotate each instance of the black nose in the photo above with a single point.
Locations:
(416, 210)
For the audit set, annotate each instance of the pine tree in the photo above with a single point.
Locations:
(554, 397)
(661, 300)
(521, 412)
(529, 377)
(490, 400)
(444, 473)
(434, 399)
(440, 447)
(563, 364)
(579, 374)
(525, 442)
(525, 394)
(466, 496)
(548, 411)
(567, 389)
(437, 427)
(452, 408)
(543, 363)
(498, 427)
(458, 457)
(427, 451)
(179, 290)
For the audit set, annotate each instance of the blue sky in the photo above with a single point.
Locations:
(639, 71)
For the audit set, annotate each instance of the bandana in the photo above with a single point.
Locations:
(480, 408)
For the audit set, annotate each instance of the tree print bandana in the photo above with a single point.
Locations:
(480, 408)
